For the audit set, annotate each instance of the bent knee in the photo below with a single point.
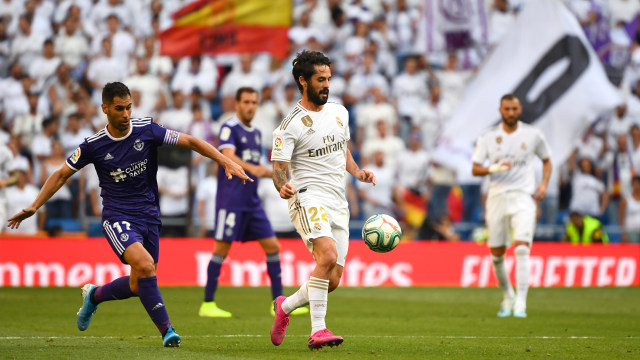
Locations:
(145, 269)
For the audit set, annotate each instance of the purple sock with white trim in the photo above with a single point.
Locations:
(151, 299)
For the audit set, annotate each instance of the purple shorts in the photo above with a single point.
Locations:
(232, 225)
(122, 233)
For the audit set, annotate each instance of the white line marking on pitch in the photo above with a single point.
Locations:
(350, 336)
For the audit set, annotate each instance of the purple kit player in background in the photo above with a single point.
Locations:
(125, 157)
(240, 216)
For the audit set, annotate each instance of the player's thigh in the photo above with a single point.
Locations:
(310, 219)
(498, 233)
(523, 217)
(256, 226)
(340, 229)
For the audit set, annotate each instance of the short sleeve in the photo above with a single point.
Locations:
(542, 148)
(80, 157)
(164, 136)
(480, 154)
(226, 138)
(283, 144)
(347, 134)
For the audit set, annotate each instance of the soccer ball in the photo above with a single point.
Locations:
(381, 233)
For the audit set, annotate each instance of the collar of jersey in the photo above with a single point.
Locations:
(245, 127)
(118, 139)
(307, 110)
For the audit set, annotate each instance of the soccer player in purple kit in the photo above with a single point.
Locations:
(125, 157)
(240, 216)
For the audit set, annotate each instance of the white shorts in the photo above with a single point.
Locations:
(314, 218)
(510, 215)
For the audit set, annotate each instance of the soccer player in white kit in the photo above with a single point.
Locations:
(511, 208)
(311, 144)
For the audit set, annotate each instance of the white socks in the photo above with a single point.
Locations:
(500, 271)
(318, 293)
(522, 275)
(298, 299)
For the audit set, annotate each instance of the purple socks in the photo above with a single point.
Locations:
(151, 299)
(275, 274)
(213, 272)
(118, 289)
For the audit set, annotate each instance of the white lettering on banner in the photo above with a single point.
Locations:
(14, 274)
(557, 271)
(55, 274)
(357, 272)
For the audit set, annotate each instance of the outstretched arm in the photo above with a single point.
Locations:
(257, 170)
(362, 175)
(50, 187)
(230, 168)
(281, 179)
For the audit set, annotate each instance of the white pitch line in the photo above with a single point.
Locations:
(349, 336)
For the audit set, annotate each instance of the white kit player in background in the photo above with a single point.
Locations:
(511, 203)
(311, 145)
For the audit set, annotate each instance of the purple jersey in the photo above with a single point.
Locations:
(127, 168)
(232, 194)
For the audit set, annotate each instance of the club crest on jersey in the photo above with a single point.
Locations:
(277, 144)
(306, 120)
(138, 145)
(75, 156)
(317, 227)
(124, 237)
(499, 139)
(339, 122)
(523, 146)
(225, 134)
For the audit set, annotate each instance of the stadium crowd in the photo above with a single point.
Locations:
(55, 57)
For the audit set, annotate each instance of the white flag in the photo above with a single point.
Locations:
(547, 62)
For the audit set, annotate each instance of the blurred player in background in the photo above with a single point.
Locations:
(125, 157)
(240, 216)
(511, 203)
(311, 142)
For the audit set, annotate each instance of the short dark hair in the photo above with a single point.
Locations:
(244, 89)
(304, 65)
(508, 97)
(113, 89)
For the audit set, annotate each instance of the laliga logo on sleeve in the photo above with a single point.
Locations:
(277, 144)
(75, 156)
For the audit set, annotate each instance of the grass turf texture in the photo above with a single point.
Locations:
(377, 323)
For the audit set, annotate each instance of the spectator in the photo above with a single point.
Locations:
(584, 229)
(42, 146)
(26, 126)
(177, 116)
(105, 68)
(409, 90)
(173, 187)
(14, 97)
(20, 197)
(27, 44)
(411, 190)
(378, 199)
(589, 195)
(453, 80)
(385, 142)
(361, 84)
(73, 134)
(501, 20)
(150, 87)
(206, 200)
(60, 204)
(59, 94)
(441, 229)
(630, 213)
(369, 114)
(431, 116)
(44, 67)
(242, 75)
(196, 72)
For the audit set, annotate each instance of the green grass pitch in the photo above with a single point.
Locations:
(376, 323)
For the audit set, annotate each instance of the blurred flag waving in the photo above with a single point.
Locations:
(547, 62)
(229, 26)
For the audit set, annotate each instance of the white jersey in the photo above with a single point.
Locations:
(519, 148)
(315, 145)
(7, 166)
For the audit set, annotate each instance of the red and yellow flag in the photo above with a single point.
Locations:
(229, 26)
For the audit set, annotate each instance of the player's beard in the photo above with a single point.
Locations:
(510, 121)
(314, 96)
